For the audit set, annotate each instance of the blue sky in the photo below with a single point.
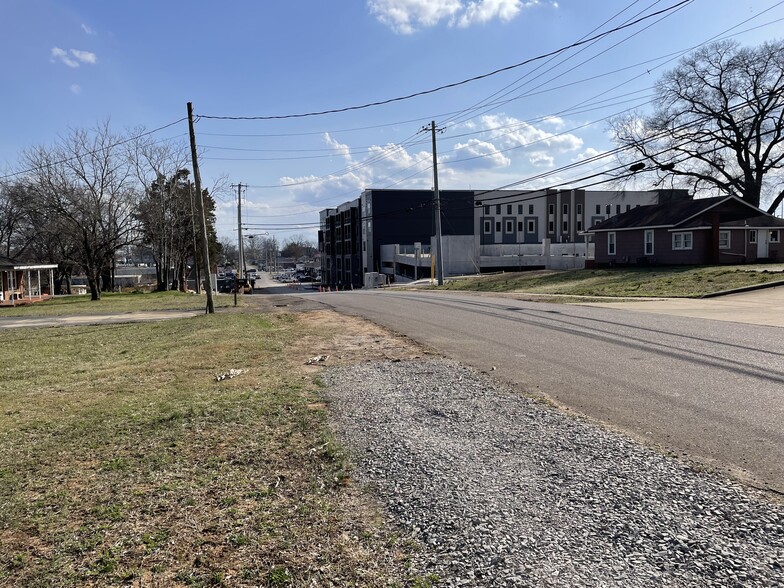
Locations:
(70, 63)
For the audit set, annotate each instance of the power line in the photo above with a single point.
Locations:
(94, 152)
(456, 84)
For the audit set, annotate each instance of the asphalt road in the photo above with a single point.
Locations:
(709, 391)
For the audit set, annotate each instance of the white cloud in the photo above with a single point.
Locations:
(408, 16)
(87, 30)
(480, 154)
(512, 132)
(85, 56)
(73, 58)
(76, 89)
(541, 159)
(482, 11)
(341, 149)
(62, 55)
(586, 154)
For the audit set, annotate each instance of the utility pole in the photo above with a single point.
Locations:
(197, 273)
(240, 247)
(437, 205)
(205, 250)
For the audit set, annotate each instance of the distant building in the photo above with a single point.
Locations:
(392, 232)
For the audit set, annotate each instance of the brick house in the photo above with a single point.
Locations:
(723, 229)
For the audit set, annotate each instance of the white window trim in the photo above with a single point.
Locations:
(778, 236)
(646, 242)
(531, 226)
(753, 236)
(509, 227)
(488, 227)
(683, 246)
(729, 240)
(611, 248)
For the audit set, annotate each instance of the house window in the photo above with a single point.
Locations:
(628, 207)
(566, 226)
(648, 242)
(579, 225)
(551, 209)
(617, 209)
(681, 241)
(610, 243)
(519, 226)
(579, 210)
(530, 209)
(752, 236)
(488, 227)
(487, 209)
(508, 209)
(531, 226)
(497, 226)
(519, 209)
(724, 239)
(551, 227)
(509, 227)
(566, 209)
(774, 236)
(498, 209)
(598, 209)
(608, 210)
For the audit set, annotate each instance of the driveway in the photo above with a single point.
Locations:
(757, 307)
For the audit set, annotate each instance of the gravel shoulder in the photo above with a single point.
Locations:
(504, 490)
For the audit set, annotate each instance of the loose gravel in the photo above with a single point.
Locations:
(503, 490)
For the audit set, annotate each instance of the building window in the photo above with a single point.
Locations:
(681, 241)
(628, 207)
(488, 227)
(551, 209)
(487, 209)
(508, 209)
(579, 210)
(774, 236)
(519, 226)
(610, 243)
(509, 227)
(530, 209)
(752, 236)
(551, 227)
(519, 209)
(648, 242)
(498, 209)
(531, 226)
(598, 209)
(566, 226)
(497, 226)
(579, 225)
(609, 210)
(617, 209)
(566, 209)
(724, 239)
(364, 243)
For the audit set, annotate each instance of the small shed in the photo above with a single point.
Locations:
(22, 281)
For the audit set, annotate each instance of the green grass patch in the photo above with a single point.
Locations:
(124, 461)
(690, 282)
(117, 302)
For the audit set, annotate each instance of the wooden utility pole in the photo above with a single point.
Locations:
(437, 206)
(205, 249)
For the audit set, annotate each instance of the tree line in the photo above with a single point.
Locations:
(95, 192)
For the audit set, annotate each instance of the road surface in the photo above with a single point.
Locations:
(709, 391)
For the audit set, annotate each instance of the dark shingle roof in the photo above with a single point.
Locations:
(657, 215)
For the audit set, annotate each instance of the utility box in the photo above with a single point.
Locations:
(375, 280)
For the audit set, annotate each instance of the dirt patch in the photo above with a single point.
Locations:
(353, 339)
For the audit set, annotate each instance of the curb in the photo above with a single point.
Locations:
(743, 289)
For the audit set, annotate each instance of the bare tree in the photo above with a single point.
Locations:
(86, 185)
(718, 123)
